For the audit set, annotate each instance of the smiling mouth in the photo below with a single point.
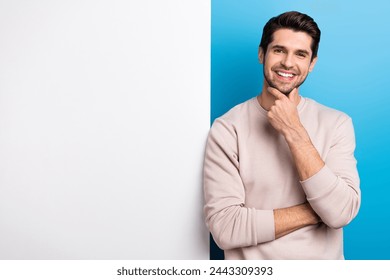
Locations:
(285, 75)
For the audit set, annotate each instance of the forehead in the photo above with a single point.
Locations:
(291, 39)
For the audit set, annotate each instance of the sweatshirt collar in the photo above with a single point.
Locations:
(264, 112)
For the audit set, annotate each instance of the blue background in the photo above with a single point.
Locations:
(352, 75)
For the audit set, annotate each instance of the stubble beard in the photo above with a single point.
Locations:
(282, 90)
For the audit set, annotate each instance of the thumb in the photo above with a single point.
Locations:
(275, 93)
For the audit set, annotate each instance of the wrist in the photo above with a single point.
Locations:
(309, 216)
(296, 135)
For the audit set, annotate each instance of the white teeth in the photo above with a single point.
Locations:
(286, 75)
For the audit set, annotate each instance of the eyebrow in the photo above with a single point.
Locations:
(284, 48)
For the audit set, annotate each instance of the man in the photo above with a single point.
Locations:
(280, 177)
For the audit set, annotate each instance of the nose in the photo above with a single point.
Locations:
(287, 61)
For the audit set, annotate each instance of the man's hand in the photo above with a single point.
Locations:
(283, 115)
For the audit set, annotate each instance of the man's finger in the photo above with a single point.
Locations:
(293, 94)
(275, 93)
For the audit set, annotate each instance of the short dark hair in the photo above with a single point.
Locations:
(295, 21)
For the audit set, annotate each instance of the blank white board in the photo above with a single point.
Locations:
(104, 112)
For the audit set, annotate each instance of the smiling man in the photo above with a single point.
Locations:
(280, 176)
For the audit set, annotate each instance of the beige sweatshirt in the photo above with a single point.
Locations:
(249, 171)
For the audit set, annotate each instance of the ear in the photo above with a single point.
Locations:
(312, 63)
(261, 55)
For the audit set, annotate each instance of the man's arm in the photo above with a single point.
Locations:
(231, 223)
(284, 117)
(335, 182)
(292, 218)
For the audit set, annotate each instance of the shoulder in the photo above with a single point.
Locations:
(236, 113)
(324, 114)
(227, 126)
(327, 125)
(234, 116)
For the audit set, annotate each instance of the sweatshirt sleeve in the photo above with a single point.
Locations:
(231, 223)
(334, 191)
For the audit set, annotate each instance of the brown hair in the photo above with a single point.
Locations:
(295, 21)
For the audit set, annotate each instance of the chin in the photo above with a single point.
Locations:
(286, 91)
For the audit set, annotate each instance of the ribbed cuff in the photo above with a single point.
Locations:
(320, 183)
(265, 225)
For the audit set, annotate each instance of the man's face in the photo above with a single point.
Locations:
(287, 61)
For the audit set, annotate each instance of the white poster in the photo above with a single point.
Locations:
(104, 113)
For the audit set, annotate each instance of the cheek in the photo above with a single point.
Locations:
(269, 60)
(268, 65)
(305, 69)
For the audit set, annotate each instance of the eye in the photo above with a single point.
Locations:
(278, 50)
(301, 54)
